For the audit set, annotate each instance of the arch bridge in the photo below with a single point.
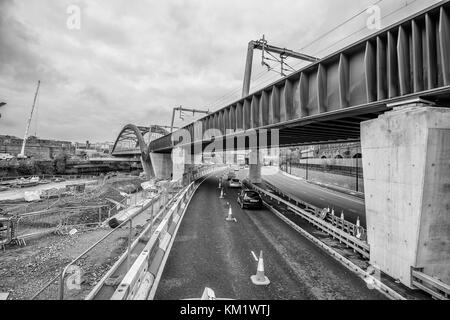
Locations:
(133, 141)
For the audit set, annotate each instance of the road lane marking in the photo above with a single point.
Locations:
(255, 257)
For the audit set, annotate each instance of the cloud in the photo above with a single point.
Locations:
(132, 62)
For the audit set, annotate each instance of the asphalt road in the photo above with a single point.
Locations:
(211, 252)
(353, 207)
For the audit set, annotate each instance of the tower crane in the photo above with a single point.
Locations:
(22, 152)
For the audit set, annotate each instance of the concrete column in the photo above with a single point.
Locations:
(162, 165)
(255, 167)
(406, 161)
(230, 157)
(184, 165)
(147, 166)
(179, 163)
(198, 158)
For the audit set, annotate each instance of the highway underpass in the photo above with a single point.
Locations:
(211, 252)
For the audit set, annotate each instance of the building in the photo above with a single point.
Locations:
(36, 148)
(97, 147)
(326, 151)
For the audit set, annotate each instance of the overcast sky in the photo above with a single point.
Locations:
(133, 61)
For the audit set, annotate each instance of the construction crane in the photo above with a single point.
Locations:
(266, 48)
(181, 109)
(22, 152)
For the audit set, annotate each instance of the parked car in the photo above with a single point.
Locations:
(250, 199)
(235, 183)
(6, 156)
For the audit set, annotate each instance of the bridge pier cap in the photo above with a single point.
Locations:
(406, 162)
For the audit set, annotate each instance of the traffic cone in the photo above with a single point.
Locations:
(260, 279)
(342, 216)
(358, 229)
(221, 194)
(230, 216)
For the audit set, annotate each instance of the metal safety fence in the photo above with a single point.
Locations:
(88, 273)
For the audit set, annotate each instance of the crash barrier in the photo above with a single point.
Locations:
(137, 279)
(141, 281)
(55, 288)
(322, 219)
(335, 218)
(367, 276)
(345, 232)
(432, 286)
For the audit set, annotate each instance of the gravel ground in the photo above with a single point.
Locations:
(25, 270)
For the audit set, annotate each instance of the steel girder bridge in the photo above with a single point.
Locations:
(326, 101)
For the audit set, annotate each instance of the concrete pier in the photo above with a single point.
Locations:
(147, 166)
(162, 165)
(255, 167)
(406, 160)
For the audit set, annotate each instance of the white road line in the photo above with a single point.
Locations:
(254, 256)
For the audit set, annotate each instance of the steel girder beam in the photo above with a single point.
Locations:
(410, 59)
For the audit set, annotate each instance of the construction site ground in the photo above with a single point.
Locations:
(24, 270)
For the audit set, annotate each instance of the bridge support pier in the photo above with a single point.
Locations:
(255, 166)
(406, 160)
(148, 168)
(184, 164)
(162, 165)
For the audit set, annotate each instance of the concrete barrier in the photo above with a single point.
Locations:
(145, 272)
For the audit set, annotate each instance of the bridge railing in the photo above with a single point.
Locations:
(68, 285)
(432, 286)
(339, 229)
(141, 279)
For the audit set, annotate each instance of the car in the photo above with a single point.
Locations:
(250, 199)
(235, 183)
